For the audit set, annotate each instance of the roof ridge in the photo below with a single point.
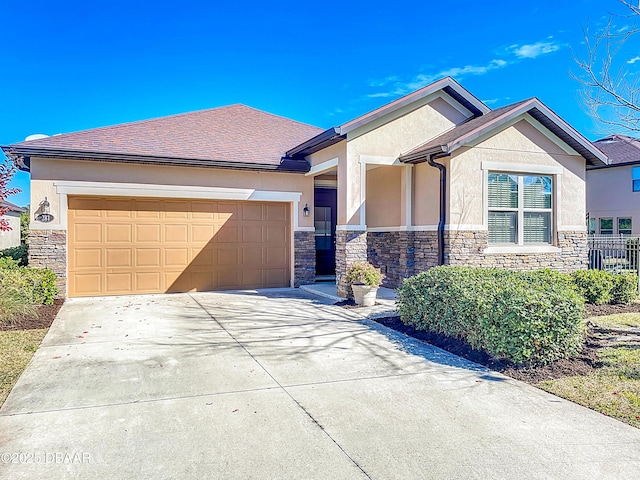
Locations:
(165, 117)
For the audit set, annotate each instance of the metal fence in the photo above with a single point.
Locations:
(614, 253)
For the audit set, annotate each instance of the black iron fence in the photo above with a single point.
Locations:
(614, 253)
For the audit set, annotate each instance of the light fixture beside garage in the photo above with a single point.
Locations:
(43, 214)
(305, 210)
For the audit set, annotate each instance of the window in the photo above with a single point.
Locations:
(592, 226)
(635, 175)
(520, 209)
(624, 226)
(606, 226)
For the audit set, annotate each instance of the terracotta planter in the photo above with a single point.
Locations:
(364, 295)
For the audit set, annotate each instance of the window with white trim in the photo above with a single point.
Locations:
(606, 226)
(520, 209)
(624, 225)
(635, 175)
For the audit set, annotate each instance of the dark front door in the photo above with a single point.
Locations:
(325, 225)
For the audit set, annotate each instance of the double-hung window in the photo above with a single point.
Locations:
(635, 174)
(520, 209)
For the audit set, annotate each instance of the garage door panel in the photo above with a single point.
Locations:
(87, 284)
(227, 256)
(118, 233)
(147, 233)
(137, 245)
(178, 233)
(176, 257)
(275, 256)
(276, 212)
(118, 257)
(87, 257)
(148, 282)
(252, 256)
(275, 234)
(276, 277)
(147, 257)
(252, 234)
(87, 233)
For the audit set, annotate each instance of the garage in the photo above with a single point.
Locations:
(126, 245)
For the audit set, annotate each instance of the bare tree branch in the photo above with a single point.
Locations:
(610, 95)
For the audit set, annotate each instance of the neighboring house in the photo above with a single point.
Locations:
(234, 197)
(11, 238)
(613, 190)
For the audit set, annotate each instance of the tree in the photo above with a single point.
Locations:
(7, 170)
(611, 93)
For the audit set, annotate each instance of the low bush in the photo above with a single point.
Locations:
(525, 317)
(625, 287)
(594, 285)
(14, 305)
(19, 253)
(37, 286)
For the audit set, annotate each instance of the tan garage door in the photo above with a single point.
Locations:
(145, 245)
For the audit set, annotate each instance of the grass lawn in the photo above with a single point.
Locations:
(618, 320)
(613, 389)
(16, 349)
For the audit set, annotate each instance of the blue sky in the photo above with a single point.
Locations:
(75, 65)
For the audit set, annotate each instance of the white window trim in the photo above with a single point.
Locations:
(555, 173)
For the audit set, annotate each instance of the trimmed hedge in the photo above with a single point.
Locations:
(600, 287)
(594, 285)
(37, 286)
(525, 317)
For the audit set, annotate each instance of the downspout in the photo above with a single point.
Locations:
(443, 206)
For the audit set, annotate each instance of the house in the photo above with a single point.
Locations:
(613, 190)
(10, 238)
(234, 197)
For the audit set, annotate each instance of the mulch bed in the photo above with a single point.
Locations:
(601, 310)
(582, 364)
(43, 318)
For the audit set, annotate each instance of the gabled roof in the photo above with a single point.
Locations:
(336, 134)
(11, 207)
(474, 128)
(235, 136)
(621, 150)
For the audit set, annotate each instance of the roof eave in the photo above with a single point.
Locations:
(23, 156)
(315, 144)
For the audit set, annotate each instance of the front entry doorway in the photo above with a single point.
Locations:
(325, 201)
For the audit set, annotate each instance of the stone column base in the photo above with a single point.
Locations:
(48, 249)
(350, 248)
(304, 258)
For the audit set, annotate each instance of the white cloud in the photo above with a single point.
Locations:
(624, 28)
(633, 60)
(534, 50)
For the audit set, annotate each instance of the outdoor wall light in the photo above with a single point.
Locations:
(305, 210)
(43, 214)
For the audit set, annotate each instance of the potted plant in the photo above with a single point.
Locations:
(364, 280)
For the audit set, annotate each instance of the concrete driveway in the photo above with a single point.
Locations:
(277, 384)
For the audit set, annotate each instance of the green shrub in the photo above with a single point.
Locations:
(363, 273)
(35, 284)
(525, 317)
(594, 285)
(19, 253)
(625, 287)
(9, 263)
(14, 305)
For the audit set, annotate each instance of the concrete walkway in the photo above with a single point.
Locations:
(276, 384)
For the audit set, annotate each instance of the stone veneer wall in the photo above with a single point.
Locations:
(402, 254)
(48, 249)
(350, 247)
(304, 257)
(466, 247)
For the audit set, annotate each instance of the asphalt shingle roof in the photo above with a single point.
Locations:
(620, 148)
(232, 134)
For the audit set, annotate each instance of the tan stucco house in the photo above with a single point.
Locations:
(613, 190)
(11, 215)
(234, 197)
